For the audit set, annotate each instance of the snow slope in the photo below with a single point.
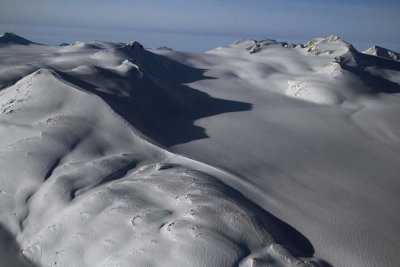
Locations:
(260, 153)
(8, 38)
(325, 159)
(382, 52)
(89, 191)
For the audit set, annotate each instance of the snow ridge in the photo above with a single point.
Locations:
(105, 201)
(382, 52)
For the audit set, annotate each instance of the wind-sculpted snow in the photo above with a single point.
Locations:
(261, 153)
(87, 191)
(329, 150)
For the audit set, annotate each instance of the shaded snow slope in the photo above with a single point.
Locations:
(323, 71)
(87, 190)
(93, 45)
(260, 153)
(9, 38)
(333, 156)
(382, 52)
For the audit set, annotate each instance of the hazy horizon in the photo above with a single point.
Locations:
(202, 25)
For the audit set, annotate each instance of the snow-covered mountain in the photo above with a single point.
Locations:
(10, 38)
(382, 52)
(260, 153)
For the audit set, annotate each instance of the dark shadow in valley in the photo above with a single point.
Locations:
(10, 252)
(283, 234)
(377, 84)
(156, 99)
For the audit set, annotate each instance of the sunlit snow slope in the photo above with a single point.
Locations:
(260, 153)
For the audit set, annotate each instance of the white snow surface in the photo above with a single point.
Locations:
(260, 153)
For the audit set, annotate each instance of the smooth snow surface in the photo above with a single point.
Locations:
(260, 153)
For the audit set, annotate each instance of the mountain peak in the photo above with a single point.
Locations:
(255, 46)
(12, 38)
(382, 52)
(332, 44)
(331, 39)
(135, 45)
(334, 38)
(4, 34)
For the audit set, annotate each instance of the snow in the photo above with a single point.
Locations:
(382, 52)
(260, 153)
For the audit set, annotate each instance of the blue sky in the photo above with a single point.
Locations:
(198, 25)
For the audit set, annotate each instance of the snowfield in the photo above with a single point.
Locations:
(260, 153)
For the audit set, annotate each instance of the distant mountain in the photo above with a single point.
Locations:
(12, 38)
(92, 45)
(382, 52)
(166, 48)
(330, 45)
